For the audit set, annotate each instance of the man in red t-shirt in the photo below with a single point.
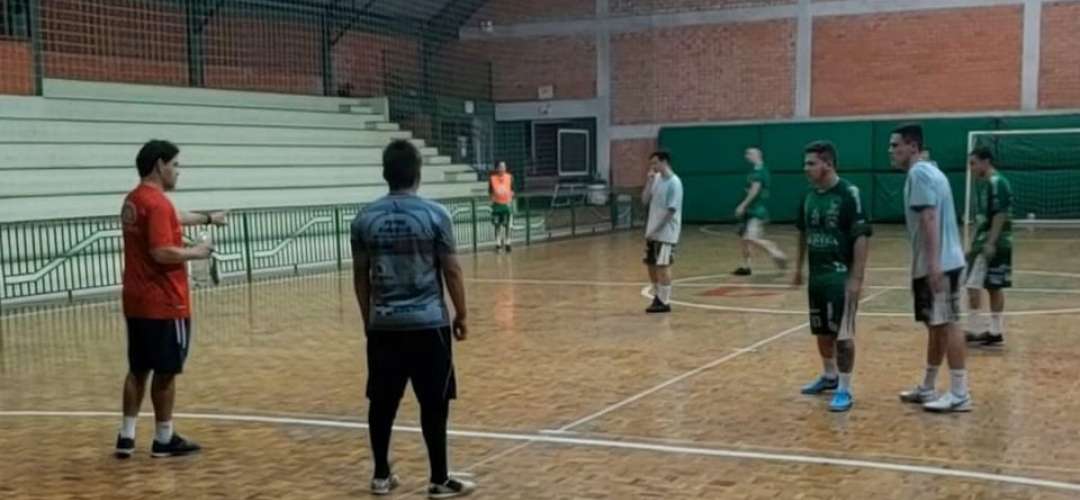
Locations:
(157, 302)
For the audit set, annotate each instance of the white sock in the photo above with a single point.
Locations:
(997, 323)
(930, 379)
(163, 432)
(655, 290)
(830, 368)
(746, 262)
(845, 382)
(665, 293)
(127, 428)
(958, 381)
(975, 321)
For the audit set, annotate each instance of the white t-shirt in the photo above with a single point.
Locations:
(667, 194)
(927, 187)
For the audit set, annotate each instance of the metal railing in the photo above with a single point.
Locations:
(65, 259)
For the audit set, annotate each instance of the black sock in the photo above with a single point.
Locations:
(433, 417)
(381, 424)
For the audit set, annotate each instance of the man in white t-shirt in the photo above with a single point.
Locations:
(663, 194)
(937, 268)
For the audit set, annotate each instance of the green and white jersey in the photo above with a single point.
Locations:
(833, 219)
(758, 208)
(993, 196)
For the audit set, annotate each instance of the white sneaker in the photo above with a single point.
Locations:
(918, 395)
(949, 403)
(384, 486)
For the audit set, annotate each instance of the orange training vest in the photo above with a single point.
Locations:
(502, 190)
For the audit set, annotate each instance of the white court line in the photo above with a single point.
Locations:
(695, 371)
(610, 444)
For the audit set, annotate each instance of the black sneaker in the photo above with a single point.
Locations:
(742, 271)
(990, 339)
(976, 337)
(658, 308)
(452, 488)
(781, 263)
(178, 447)
(125, 447)
(507, 248)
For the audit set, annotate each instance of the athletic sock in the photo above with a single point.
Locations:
(845, 382)
(665, 294)
(163, 432)
(930, 378)
(830, 368)
(997, 323)
(958, 382)
(127, 428)
(975, 321)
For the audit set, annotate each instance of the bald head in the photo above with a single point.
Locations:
(754, 156)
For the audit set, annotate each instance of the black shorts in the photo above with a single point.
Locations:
(942, 309)
(659, 254)
(832, 312)
(158, 345)
(424, 357)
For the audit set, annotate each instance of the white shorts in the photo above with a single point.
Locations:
(752, 229)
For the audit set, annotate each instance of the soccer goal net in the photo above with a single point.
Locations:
(1042, 167)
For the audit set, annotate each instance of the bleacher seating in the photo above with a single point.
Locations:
(71, 153)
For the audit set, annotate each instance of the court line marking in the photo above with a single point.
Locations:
(764, 286)
(695, 371)
(713, 230)
(608, 444)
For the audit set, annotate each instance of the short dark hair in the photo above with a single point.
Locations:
(661, 155)
(401, 164)
(983, 153)
(911, 132)
(824, 149)
(153, 151)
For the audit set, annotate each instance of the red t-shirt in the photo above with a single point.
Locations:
(152, 290)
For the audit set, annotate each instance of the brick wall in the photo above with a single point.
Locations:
(701, 73)
(521, 66)
(630, 161)
(519, 11)
(371, 64)
(17, 75)
(634, 7)
(1059, 77)
(114, 40)
(263, 53)
(926, 61)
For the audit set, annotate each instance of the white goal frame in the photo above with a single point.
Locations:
(1016, 220)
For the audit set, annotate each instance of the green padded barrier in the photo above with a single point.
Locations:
(1026, 122)
(946, 137)
(709, 150)
(783, 144)
(712, 198)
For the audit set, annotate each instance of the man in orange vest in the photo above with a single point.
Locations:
(501, 189)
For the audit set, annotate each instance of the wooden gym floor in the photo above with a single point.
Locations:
(567, 389)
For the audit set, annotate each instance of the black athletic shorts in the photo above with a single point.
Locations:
(941, 309)
(424, 357)
(158, 345)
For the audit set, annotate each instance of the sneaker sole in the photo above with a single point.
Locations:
(959, 409)
(838, 409)
(123, 454)
(451, 495)
(170, 454)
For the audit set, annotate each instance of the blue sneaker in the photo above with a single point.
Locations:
(841, 401)
(821, 385)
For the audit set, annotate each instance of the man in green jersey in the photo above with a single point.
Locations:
(835, 232)
(990, 257)
(752, 214)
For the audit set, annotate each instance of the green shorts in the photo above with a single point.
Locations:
(831, 313)
(500, 214)
(998, 272)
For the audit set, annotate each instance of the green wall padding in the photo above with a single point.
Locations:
(784, 144)
(710, 150)
(709, 159)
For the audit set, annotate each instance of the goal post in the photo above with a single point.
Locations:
(1043, 168)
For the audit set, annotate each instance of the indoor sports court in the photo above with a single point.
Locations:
(567, 390)
(237, 196)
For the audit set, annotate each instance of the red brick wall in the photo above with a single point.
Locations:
(1059, 77)
(926, 61)
(700, 73)
(374, 64)
(631, 7)
(114, 40)
(520, 66)
(630, 161)
(16, 68)
(520, 11)
(263, 53)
